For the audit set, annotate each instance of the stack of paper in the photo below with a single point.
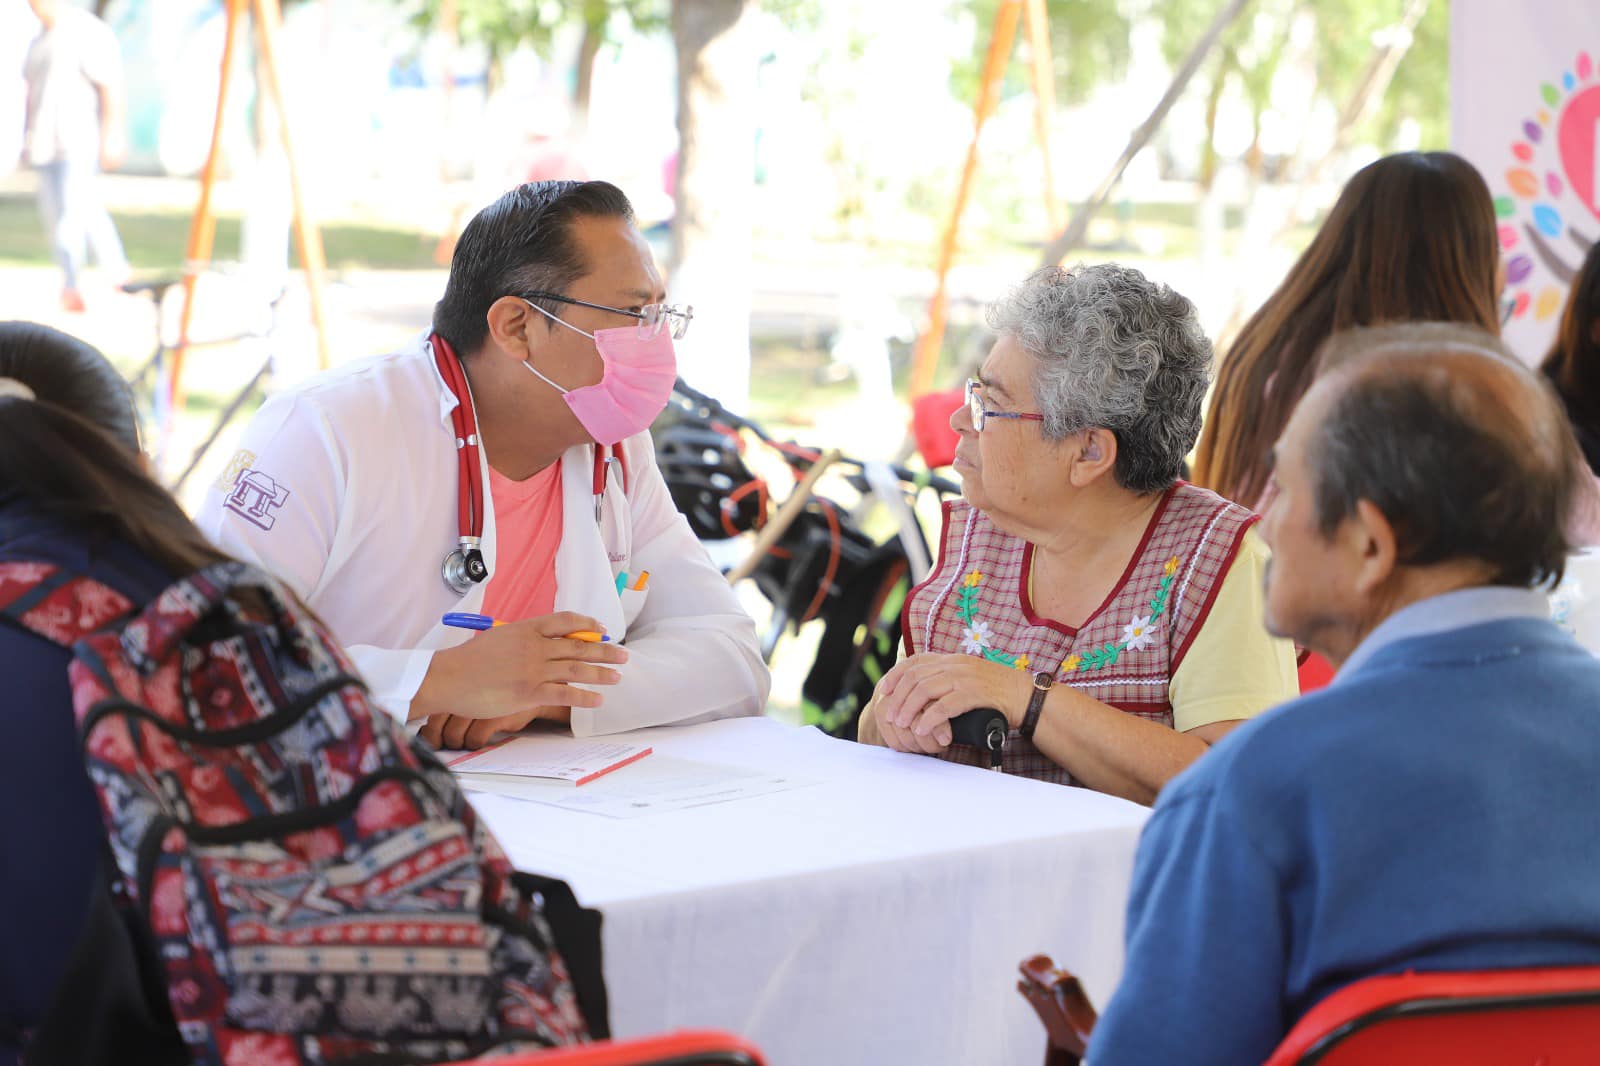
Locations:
(554, 758)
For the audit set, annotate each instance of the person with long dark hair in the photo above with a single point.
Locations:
(74, 493)
(261, 733)
(1411, 238)
(1573, 365)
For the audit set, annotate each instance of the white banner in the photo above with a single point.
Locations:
(1525, 109)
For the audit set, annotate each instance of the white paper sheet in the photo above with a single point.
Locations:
(652, 786)
(563, 759)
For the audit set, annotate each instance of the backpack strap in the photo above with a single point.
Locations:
(56, 604)
(576, 930)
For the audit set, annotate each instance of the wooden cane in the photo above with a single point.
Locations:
(785, 517)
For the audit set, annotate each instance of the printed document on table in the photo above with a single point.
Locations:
(565, 759)
(657, 784)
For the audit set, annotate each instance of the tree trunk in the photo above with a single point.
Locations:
(1208, 155)
(1369, 90)
(1209, 211)
(1078, 228)
(714, 196)
(594, 35)
(1370, 87)
(268, 211)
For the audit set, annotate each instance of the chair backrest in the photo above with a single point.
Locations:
(690, 1047)
(1546, 1016)
(930, 426)
(1062, 1005)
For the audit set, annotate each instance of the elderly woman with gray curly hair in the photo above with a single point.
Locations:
(1111, 611)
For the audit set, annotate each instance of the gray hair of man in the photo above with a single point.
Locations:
(1117, 351)
(1350, 346)
(1359, 342)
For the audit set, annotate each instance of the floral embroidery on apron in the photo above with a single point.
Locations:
(978, 637)
(976, 603)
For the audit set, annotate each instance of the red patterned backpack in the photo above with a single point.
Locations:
(313, 883)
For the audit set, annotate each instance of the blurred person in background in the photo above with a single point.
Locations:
(74, 130)
(1573, 365)
(1411, 238)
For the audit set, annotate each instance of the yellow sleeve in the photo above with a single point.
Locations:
(1234, 668)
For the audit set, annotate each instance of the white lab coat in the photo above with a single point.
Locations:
(345, 487)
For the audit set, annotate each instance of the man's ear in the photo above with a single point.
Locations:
(1370, 536)
(513, 327)
(1092, 454)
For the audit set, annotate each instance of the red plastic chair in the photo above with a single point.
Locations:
(930, 426)
(1548, 1016)
(1543, 1017)
(691, 1047)
(1315, 672)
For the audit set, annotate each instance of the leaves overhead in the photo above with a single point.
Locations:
(1346, 34)
(505, 25)
(1088, 47)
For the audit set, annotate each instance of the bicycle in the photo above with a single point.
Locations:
(151, 384)
(819, 564)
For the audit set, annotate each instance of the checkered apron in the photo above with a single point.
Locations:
(976, 602)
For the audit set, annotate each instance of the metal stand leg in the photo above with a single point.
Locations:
(222, 421)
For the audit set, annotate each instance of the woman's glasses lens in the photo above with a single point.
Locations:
(974, 406)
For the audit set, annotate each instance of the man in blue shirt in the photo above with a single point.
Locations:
(1434, 807)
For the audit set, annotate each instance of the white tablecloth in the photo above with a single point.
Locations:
(1575, 603)
(876, 917)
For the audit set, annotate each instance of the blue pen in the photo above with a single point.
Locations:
(467, 620)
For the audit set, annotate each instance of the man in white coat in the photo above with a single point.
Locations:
(501, 466)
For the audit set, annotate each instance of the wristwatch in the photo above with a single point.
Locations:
(1042, 681)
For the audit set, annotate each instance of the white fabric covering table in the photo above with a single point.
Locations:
(1575, 603)
(874, 917)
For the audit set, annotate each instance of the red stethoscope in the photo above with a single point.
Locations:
(464, 566)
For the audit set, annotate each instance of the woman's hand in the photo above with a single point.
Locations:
(915, 700)
(874, 728)
(867, 725)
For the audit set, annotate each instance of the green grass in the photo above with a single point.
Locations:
(788, 379)
(155, 240)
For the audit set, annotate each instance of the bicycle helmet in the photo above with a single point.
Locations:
(708, 479)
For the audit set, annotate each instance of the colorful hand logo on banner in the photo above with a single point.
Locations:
(1551, 216)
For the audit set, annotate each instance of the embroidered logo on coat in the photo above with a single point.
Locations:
(242, 460)
(255, 496)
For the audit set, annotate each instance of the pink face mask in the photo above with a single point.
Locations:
(634, 385)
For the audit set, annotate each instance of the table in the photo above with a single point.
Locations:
(875, 917)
